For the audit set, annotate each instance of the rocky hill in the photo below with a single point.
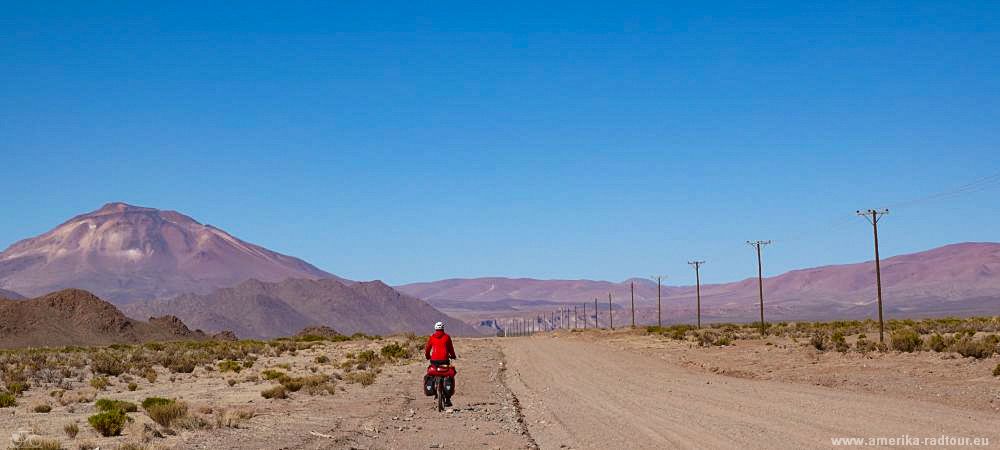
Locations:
(77, 317)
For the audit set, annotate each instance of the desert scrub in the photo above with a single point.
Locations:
(937, 343)
(906, 340)
(863, 345)
(133, 386)
(233, 418)
(155, 401)
(275, 392)
(230, 366)
(978, 349)
(99, 383)
(71, 429)
(394, 351)
(322, 359)
(839, 342)
(149, 374)
(364, 377)
(109, 423)
(42, 408)
(106, 404)
(165, 413)
(996, 371)
(108, 363)
(818, 340)
(271, 374)
(7, 400)
(34, 443)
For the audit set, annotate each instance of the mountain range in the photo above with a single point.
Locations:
(256, 309)
(154, 262)
(157, 262)
(960, 279)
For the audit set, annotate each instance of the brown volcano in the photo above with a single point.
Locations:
(125, 253)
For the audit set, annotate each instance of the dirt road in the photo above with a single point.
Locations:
(582, 392)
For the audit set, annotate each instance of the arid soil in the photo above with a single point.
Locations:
(592, 390)
(391, 413)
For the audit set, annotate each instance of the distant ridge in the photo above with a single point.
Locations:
(77, 317)
(10, 295)
(257, 309)
(961, 279)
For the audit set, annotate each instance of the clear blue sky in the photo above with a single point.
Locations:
(416, 141)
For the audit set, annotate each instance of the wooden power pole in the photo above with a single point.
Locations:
(611, 314)
(585, 318)
(697, 283)
(597, 315)
(760, 281)
(873, 216)
(659, 283)
(632, 288)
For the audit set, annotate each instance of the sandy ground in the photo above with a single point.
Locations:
(579, 391)
(574, 390)
(391, 413)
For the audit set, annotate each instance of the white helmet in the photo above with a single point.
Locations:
(439, 326)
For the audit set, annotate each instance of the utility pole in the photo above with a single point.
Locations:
(697, 281)
(659, 282)
(597, 315)
(873, 216)
(576, 317)
(611, 314)
(632, 287)
(585, 318)
(760, 281)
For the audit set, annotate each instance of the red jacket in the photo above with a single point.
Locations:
(439, 347)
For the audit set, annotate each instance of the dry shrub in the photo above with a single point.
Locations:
(906, 340)
(364, 378)
(100, 383)
(109, 423)
(42, 408)
(71, 429)
(106, 404)
(149, 374)
(33, 442)
(7, 400)
(233, 418)
(996, 371)
(164, 413)
(969, 347)
(275, 392)
(108, 363)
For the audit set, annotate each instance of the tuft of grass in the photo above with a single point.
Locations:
(364, 377)
(149, 374)
(132, 387)
(100, 383)
(155, 401)
(106, 404)
(322, 359)
(7, 400)
(275, 392)
(996, 371)
(233, 418)
(35, 443)
(166, 413)
(109, 423)
(71, 429)
(42, 408)
(230, 366)
(271, 374)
